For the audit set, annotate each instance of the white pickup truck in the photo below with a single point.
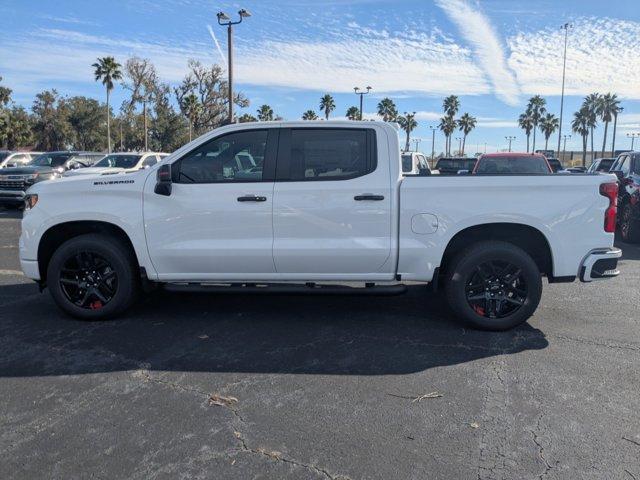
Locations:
(311, 205)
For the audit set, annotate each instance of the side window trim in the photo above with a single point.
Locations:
(268, 168)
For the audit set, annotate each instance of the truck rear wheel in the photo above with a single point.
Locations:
(93, 277)
(493, 285)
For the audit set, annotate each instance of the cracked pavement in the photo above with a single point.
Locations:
(323, 386)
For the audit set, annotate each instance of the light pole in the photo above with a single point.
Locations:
(566, 28)
(362, 93)
(225, 21)
(433, 142)
(459, 139)
(615, 124)
(632, 136)
(564, 148)
(416, 141)
(485, 147)
(509, 139)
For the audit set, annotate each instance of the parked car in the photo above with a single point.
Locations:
(10, 159)
(555, 164)
(335, 209)
(512, 163)
(15, 181)
(451, 166)
(575, 170)
(120, 162)
(414, 163)
(601, 165)
(627, 169)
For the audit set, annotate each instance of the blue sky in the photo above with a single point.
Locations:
(493, 54)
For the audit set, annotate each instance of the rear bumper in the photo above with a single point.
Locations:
(600, 264)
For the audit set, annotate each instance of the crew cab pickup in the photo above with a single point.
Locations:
(311, 205)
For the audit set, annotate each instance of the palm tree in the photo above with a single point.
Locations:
(309, 115)
(353, 113)
(107, 70)
(548, 125)
(387, 110)
(408, 123)
(580, 125)
(592, 101)
(448, 126)
(537, 107)
(265, 113)
(451, 105)
(608, 106)
(466, 124)
(327, 105)
(191, 107)
(525, 122)
(247, 117)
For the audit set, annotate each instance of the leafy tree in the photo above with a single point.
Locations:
(408, 123)
(353, 113)
(525, 122)
(247, 117)
(580, 125)
(309, 115)
(466, 124)
(107, 70)
(591, 102)
(191, 107)
(212, 92)
(548, 125)
(387, 110)
(265, 113)
(167, 126)
(447, 126)
(50, 127)
(142, 82)
(5, 95)
(85, 118)
(327, 105)
(608, 107)
(18, 132)
(537, 108)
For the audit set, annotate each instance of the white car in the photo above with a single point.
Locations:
(415, 163)
(10, 159)
(315, 203)
(119, 162)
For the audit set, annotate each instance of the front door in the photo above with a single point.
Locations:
(217, 222)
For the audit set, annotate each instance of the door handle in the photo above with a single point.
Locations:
(252, 198)
(368, 196)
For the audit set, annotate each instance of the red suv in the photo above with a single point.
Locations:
(512, 163)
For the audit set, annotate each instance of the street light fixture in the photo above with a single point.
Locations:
(509, 139)
(564, 148)
(566, 28)
(362, 93)
(225, 21)
(632, 136)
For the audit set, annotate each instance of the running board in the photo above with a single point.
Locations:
(309, 288)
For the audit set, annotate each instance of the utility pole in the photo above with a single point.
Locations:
(566, 28)
(362, 93)
(615, 125)
(509, 139)
(632, 136)
(564, 148)
(225, 21)
(433, 142)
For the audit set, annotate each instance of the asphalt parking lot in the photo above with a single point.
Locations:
(238, 386)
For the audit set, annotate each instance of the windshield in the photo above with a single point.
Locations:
(119, 161)
(507, 165)
(555, 164)
(604, 165)
(4, 155)
(456, 163)
(407, 163)
(51, 159)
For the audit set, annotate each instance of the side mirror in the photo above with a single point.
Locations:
(163, 181)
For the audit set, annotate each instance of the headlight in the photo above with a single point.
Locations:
(60, 169)
(31, 178)
(30, 200)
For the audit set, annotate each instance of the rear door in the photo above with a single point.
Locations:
(216, 223)
(332, 204)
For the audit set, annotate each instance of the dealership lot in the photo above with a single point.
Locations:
(239, 386)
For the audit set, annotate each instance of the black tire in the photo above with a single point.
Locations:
(117, 282)
(629, 225)
(472, 264)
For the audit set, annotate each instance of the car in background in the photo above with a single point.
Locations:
(453, 165)
(627, 169)
(10, 159)
(601, 165)
(120, 162)
(555, 164)
(512, 163)
(15, 181)
(575, 170)
(415, 163)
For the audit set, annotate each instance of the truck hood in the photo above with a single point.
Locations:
(92, 171)
(28, 170)
(82, 185)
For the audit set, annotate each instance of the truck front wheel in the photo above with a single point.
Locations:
(493, 285)
(93, 277)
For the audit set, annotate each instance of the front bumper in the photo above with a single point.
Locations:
(600, 264)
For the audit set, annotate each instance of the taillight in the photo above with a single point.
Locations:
(610, 190)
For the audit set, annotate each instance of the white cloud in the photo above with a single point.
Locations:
(602, 55)
(476, 29)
